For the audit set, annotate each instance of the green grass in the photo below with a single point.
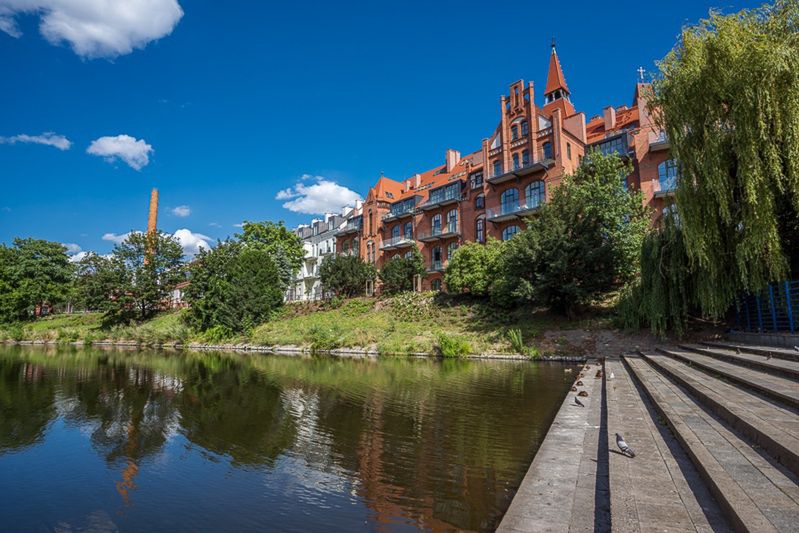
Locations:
(398, 326)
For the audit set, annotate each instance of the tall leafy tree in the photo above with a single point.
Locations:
(728, 97)
(473, 268)
(282, 245)
(33, 274)
(397, 274)
(581, 244)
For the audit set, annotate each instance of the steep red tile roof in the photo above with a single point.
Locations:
(625, 118)
(555, 78)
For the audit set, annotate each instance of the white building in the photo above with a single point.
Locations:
(319, 242)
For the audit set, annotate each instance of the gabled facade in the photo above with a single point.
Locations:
(490, 192)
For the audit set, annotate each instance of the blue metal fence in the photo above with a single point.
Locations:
(774, 309)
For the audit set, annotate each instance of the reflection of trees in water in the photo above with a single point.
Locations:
(26, 404)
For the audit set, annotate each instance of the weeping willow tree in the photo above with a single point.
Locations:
(728, 98)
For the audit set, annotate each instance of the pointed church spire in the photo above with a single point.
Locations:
(555, 78)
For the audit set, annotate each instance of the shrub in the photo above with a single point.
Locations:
(397, 273)
(324, 337)
(473, 267)
(346, 275)
(412, 306)
(354, 308)
(452, 345)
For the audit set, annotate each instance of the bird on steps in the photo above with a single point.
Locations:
(738, 351)
(796, 348)
(768, 357)
(612, 375)
(578, 402)
(623, 446)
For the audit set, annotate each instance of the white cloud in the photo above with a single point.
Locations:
(48, 138)
(78, 257)
(192, 242)
(96, 28)
(239, 225)
(134, 152)
(320, 197)
(116, 239)
(72, 248)
(181, 211)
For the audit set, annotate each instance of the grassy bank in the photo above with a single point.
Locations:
(405, 324)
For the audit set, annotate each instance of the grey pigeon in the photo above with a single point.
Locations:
(623, 446)
(738, 350)
(796, 348)
(578, 402)
(768, 356)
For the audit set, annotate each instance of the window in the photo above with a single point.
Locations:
(476, 179)
(408, 230)
(409, 254)
(525, 128)
(616, 145)
(345, 247)
(514, 132)
(480, 202)
(395, 231)
(497, 167)
(547, 148)
(525, 158)
(509, 201)
(668, 174)
(480, 230)
(452, 221)
(624, 184)
(451, 250)
(569, 151)
(435, 258)
(369, 229)
(509, 232)
(515, 161)
(534, 194)
(436, 284)
(435, 224)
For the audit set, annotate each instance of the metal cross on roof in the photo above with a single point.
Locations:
(641, 73)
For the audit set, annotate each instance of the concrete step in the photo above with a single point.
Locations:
(773, 428)
(779, 353)
(778, 367)
(754, 493)
(781, 389)
(659, 489)
(565, 488)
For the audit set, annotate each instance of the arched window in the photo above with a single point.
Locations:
(435, 258)
(509, 201)
(451, 250)
(395, 231)
(480, 230)
(480, 202)
(408, 230)
(534, 194)
(435, 224)
(515, 161)
(547, 149)
(509, 232)
(525, 158)
(369, 229)
(497, 167)
(452, 221)
(436, 284)
(668, 175)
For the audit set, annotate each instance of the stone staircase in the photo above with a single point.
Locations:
(716, 431)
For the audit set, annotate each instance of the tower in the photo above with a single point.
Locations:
(556, 93)
(152, 220)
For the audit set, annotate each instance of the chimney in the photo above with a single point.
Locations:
(358, 204)
(152, 220)
(407, 185)
(417, 180)
(609, 115)
(453, 156)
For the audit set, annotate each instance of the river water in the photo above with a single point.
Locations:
(98, 440)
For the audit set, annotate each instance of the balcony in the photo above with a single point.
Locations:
(436, 266)
(618, 144)
(512, 210)
(395, 243)
(451, 194)
(401, 210)
(438, 232)
(524, 170)
(666, 187)
(353, 226)
(659, 142)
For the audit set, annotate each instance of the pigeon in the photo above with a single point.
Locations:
(574, 389)
(598, 374)
(578, 402)
(738, 351)
(612, 375)
(768, 357)
(796, 348)
(623, 446)
(579, 383)
(582, 393)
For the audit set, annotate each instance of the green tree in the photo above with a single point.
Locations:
(234, 287)
(145, 269)
(728, 98)
(346, 275)
(95, 281)
(473, 268)
(33, 274)
(583, 243)
(397, 274)
(282, 245)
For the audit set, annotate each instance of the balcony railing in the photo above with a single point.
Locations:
(522, 170)
(406, 209)
(512, 210)
(436, 266)
(397, 242)
(658, 141)
(438, 232)
(446, 195)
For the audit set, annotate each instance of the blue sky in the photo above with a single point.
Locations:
(222, 105)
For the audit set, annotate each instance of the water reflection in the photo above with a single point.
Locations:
(350, 444)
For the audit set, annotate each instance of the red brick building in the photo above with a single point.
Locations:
(489, 192)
